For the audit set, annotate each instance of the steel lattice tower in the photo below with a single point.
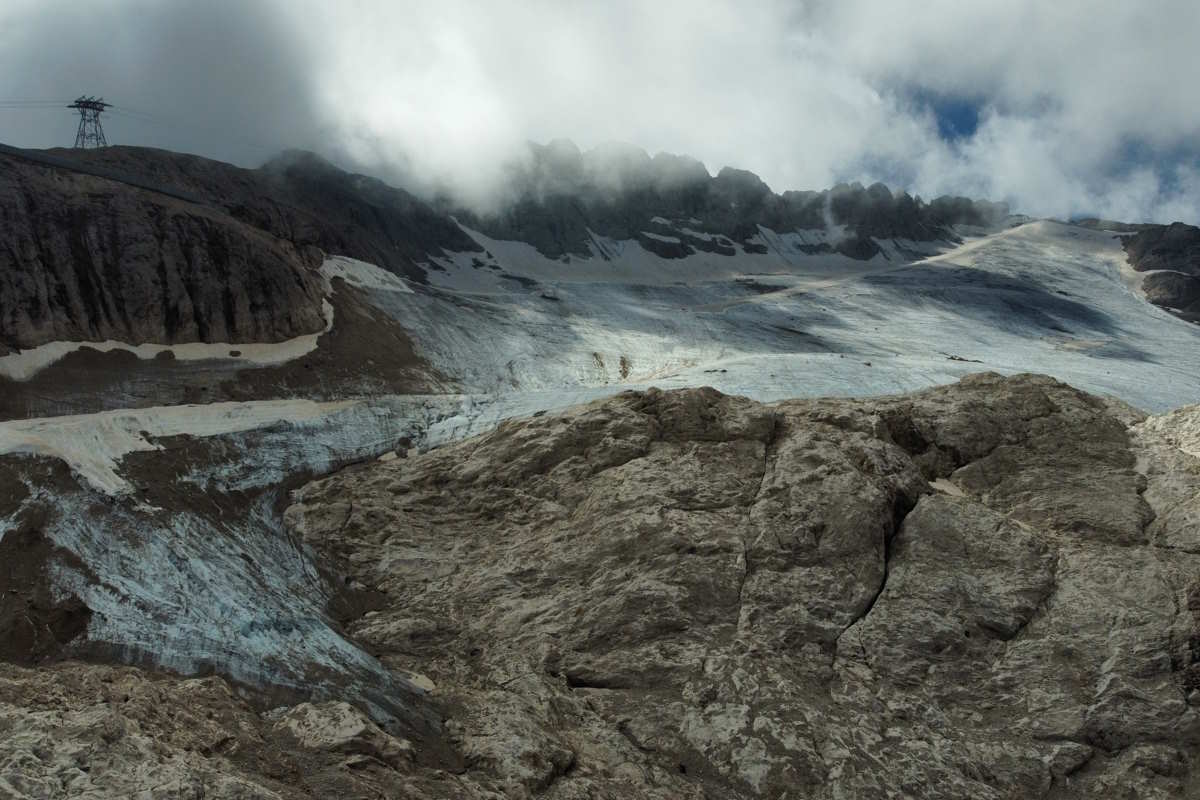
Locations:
(91, 132)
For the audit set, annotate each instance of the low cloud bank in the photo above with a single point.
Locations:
(1073, 110)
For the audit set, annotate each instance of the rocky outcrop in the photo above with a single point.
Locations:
(76, 730)
(1173, 290)
(338, 727)
(87, 259)
(1171, 253)
(91, 258)
(981, 590)
(303, 199)
(561, 196)
(1175, 247)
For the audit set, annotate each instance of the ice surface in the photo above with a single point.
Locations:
(1041, 297)
(94, 444)
(519, 333)
(362, 274)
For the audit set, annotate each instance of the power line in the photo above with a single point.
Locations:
(89, 108)
(129, 110)
(91, 132)
(192, 127)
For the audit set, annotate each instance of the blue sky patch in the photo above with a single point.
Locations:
(957, 117)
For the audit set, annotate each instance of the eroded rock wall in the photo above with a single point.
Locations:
(88, 259)
(91, 258)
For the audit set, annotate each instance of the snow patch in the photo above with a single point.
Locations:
(94, 444)
(24, 364)
(660, 237)
(362, 274)
(701, 235)
(625, 261)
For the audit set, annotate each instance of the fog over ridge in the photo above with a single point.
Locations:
(1059, 110)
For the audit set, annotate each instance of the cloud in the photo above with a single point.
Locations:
(1074, 109)
(221, 78)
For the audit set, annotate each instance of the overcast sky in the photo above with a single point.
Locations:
(1062, 108)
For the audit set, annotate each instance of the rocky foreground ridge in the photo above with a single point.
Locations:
(987, 590)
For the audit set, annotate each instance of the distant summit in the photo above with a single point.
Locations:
(560, 196)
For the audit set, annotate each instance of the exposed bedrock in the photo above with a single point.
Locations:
(983, 590)
(686, 594)
(1173, 290)
(1175, 247)
(85, 259)
(365, 352)
(88, 258)
(303, 199)
(1175, 250)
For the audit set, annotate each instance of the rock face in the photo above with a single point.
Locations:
(1174, 247)
(89, 259)
(302, 198)
(1173, 290)
(75, 730)
(984, 590)
(674, 208)
(1172, 254)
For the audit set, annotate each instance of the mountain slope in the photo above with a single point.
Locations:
(981, 589)
(87, 259)
(978, 590)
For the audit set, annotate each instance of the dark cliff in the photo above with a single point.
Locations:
(1171, 253)
(560, 195)
(90, 258)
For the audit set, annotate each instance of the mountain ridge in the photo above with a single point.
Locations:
(93, 274)
(558, 197)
